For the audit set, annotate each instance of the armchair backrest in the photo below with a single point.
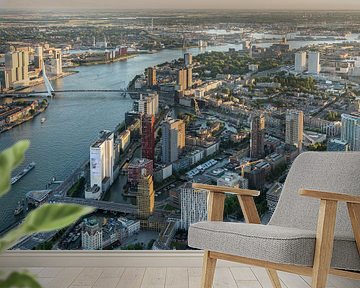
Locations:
(325, 171)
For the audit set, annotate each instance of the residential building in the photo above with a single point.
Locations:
(38, 57)
(102, 161)
(314, 62)
(148, 105)
(300, 61)
(151, 77)
(148, 137)
(294, 128)
(173, 139)
(145, 195)
(230, 179)
(350, 130)
(135, 168)
(16, 68)
(56, 63)
(337, 145)
(193, 206)
(91, 235)
(188, 59)
(257, 136)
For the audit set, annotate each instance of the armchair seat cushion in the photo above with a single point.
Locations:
(270, 243)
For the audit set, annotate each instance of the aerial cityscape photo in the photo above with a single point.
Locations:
(135, 118)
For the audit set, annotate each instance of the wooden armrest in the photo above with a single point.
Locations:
(224, 189)
(322, 195)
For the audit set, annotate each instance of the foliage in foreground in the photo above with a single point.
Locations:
(47, 217)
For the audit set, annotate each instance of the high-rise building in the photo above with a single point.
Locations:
(300, 61)
(314, 62)
(91, 235)
(189, 78)
(17, 68)
(257, 136)
(151, 77)
(148, 105)
(102, 162)
(148, 137)
(350, 130)
(181, 79)
(188, 58)
(56, 62)
(294, 128)
(337, 145)
(38, 57)
(193, 206)
(173, 140)
(135, 168)
(145, 195)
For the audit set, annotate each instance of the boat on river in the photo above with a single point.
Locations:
(26, 170)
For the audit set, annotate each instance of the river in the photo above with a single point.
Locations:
(73, 121)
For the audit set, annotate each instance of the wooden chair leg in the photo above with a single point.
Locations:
(274, 278)
(324, 243)
(208, 270)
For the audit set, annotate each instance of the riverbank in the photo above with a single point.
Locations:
(107, 61)
(28, 118)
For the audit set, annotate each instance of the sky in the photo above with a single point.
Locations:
(185, 4)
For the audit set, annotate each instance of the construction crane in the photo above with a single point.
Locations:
(242, 166)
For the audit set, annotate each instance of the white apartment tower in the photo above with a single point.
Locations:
(314, 62)
(300, 61)
(102, 161)
(193, 206)
(350, 130)
(294, 129)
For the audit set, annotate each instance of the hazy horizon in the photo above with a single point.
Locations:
(184, 4)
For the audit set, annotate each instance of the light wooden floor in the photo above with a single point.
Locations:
(143, 269)
(171, 277)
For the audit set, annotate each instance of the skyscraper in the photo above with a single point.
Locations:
(188, 59)
(102, 160)
(294, 128)
(257, 136)
(56, 62)
(189, 78)
(17, 68)
(181, 79)
(38, 57)
(350, 130)
(173, 140)
(151, 77)
(193, 206)
(145, 195)
(314, 62)
(148, 137)
(91, 235)
(300, 61)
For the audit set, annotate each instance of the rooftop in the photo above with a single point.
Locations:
(141, 269)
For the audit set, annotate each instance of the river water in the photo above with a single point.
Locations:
(73, 121)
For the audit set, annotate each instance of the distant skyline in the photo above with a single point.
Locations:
(184, 4)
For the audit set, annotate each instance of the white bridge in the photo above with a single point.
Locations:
(49, 89)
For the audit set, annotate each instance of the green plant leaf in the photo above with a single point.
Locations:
(19, 280)
(47, 217)
(9, 160)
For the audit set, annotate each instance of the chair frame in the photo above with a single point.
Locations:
(324, 235)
